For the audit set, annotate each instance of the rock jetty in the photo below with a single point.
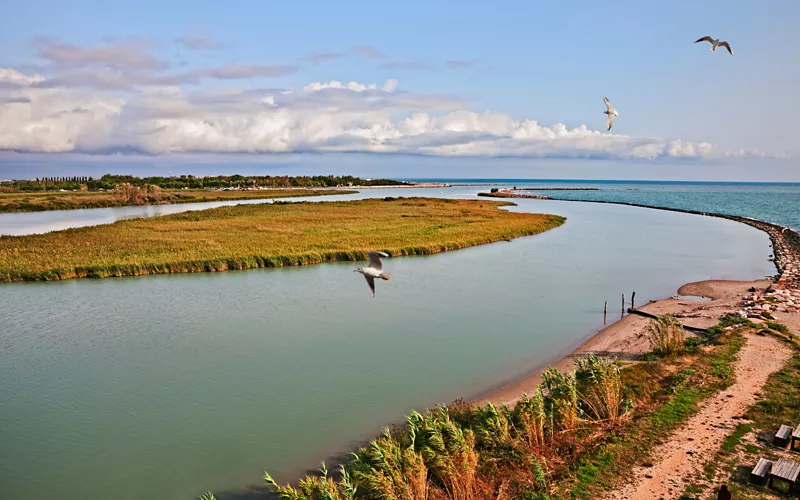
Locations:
(784, 293)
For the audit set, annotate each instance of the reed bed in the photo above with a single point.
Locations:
(264, 235)
(55, 200)
(571, 438)
(468, 452)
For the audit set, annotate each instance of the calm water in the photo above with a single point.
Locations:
(773, 202)
(167, 386)
(778, 203)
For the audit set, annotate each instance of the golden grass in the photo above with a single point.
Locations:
(264, 235)
(57, 200)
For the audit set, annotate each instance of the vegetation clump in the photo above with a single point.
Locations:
(263, 235)
(666, 336)
(126, 194)
(465, 451)
(569, 439)
(110, 182)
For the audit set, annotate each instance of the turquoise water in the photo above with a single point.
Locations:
(778, 203)
(168, 386)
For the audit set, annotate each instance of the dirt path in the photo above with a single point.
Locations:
(699, 439)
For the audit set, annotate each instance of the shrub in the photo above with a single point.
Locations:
(600, 390)
(666, 336)
(561, 400)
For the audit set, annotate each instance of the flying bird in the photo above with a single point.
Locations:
(611, 112)
(374, 270)
(715, 43)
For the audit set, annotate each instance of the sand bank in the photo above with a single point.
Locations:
(624, 340)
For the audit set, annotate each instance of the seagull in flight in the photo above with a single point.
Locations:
(715, 43)
(374, 270)
(611, 112)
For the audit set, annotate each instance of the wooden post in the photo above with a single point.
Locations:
(605, 311)
(633, 298)
(623, 305)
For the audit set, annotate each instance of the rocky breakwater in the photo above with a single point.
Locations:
(784, 294)
(512, 193)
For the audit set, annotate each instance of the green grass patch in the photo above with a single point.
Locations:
(778, 327)
(677, 398)
(777, 404)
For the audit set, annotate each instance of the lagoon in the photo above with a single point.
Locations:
(167, 386)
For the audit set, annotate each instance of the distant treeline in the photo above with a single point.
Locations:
(109, 181)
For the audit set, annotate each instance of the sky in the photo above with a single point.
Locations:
(464, 89)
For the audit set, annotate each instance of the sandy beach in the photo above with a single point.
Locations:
(695, 444)
(624, 339)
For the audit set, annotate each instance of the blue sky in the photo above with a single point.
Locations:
(473, 79)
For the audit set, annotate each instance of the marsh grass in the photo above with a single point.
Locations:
(465, 451)
(55, 200)
(264, 235)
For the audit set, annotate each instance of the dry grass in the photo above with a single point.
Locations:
(55, 200)
(264, 235)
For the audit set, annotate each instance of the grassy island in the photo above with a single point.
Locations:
(37, 201)
(264, 235)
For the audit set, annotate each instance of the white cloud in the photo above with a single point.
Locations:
(199, 41)
(408, 65)
(128, 63)
(354, 86)
(323, 116)
(8, 75)
(108, 79)
(368, 51)
(129, 54)
(460, 64)
(320, 57)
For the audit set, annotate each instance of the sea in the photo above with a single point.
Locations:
(778, 203)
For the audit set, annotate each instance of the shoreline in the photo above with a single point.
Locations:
(785, 240)
(623, 339)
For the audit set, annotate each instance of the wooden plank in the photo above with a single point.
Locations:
(794, 472)
(784, 432)
(787, 470)
(688, 328)
(762, 467)
(796, 433)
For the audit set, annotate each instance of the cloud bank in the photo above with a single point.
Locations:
(162, 117)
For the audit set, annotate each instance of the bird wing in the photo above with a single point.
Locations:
(608, 104)
(375, 260)
(371, 283)
(610, 120)
(727, 46)
(705, 39)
